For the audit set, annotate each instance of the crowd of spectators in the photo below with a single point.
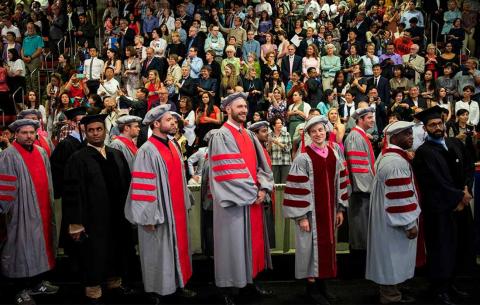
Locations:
(293, 58)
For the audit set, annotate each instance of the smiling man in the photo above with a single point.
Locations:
(240, 180)
(95, 189)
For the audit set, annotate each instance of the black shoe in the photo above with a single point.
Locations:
(459, 293)
(228, 300)
(263, 292)
(44, 288)
(444, 298)
(24, 298)
(322, 288)
(123, 291)
(185, 293)
(314, 295)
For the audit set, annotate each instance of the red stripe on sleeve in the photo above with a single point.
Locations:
(398, 181)
(343, 173)
(226, 156)
(360, 170)
(138, 197)
(231, 166)
(402, 208)
(6, 198)
(295, 203)
(296, 191)
(7, 187)
(143, 175)
(357, 153)
(8, 178)
(298, 179)
(227, 177)
(143, 186)
(345, 196)
(400, 195)
(358, 162)
(344, 184)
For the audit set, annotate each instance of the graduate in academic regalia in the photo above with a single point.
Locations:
(129, 127)
(360, 159)
(60, 155)
(394, 216)
(26, 198)
(158, 202)
(240, 179)
(444, 197)
(95, 189)
(42, 138)
(316, 196)
(261, 132)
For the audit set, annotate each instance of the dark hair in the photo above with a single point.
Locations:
(274, 120)
(376, 65)
(12, 33)
(14, 53)
(144, 90)
(158, 31)
(400, 68)
(461, 111)
(188, 102)
(469, 87)
(209, 108)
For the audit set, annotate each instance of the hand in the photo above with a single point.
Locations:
(339, 219)
(304, 225)
(412, 233)
(260, 197)
(149, 228)
(79, 230)
(196, 178)
(467, 197)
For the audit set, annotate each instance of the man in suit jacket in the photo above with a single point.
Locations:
(187, 86)
(290, 64)
(151, 63)
(414, 99)
(341, 22)
(193, 40)
(127, 35)
(414, 61)
(380, 83)
(308, 40)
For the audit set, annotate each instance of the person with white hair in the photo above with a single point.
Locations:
(329, 64)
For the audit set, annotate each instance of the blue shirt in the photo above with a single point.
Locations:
(149, 24)
(250, 46)
(31, 44)
(440, 141)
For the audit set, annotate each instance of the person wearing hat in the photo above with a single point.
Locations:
(158, 203)
(394, 216)
(129, 128)
(444, 179)
(42, 141)
(262, 132)
(361, 165)
(240, 179)
(26, 196)
(316, 196)
(95, 189)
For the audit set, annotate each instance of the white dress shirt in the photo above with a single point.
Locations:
(96, 69)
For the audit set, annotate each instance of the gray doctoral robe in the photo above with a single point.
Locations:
(25, 252)
(360, 160)
(231, 208)
(127, 153)
(300, 189)
(394, 208)
(159, 254)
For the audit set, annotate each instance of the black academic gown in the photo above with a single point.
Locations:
(439, 196)
(95, 192)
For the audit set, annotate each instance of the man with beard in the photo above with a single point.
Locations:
(158, 202)
(261, 132)
(42, 140)
(393, 219)
(129, 127)
(445, 197)
(96, 183)
(240, 179)
(27, 200)
(361, 166)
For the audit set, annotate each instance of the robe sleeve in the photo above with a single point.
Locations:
(358, 162)
(74, 194)
(144, 201)
(264, 172)
(343, 180)
(205, 192)
(400, 197)
(8, 183)
(298, 196)
(230, 181)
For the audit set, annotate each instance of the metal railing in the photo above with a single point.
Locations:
(15, 93)
(431, 31)
(58, 46)
(36, 70)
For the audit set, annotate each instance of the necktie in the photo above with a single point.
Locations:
(91, 67)
(291, 65)
(376, 82)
